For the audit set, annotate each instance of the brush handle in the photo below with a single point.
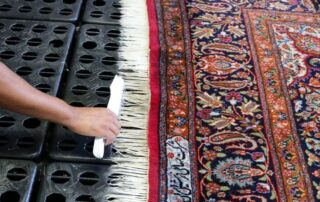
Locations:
(114, 105)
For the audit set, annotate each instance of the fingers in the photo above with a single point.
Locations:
(98, 122)
(115, 120)
(117, 123)
(112, 114)
(107, 141)
(112, 133)
(114, 129)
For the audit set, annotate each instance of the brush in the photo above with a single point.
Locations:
(114, 104)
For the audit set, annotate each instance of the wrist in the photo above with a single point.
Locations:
(69, 116)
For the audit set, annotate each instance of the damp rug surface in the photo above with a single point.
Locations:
(239, 104)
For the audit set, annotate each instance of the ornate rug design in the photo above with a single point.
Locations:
(240, 100)
(286, 49)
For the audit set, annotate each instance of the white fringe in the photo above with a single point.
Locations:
(129, 175)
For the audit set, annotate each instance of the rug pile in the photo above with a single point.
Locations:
(236, 97)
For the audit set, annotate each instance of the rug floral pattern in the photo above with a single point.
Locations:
(250, 132)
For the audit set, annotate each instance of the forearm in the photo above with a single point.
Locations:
(19, 96)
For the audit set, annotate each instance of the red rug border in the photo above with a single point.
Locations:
(153, 124)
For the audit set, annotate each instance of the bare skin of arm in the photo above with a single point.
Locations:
(19, 96)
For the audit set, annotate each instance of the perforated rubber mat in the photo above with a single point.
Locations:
(93, 67)
(39, 41)
(74, 182)
(103, 12)
(37, 51)
(16, 180)
(51, 10)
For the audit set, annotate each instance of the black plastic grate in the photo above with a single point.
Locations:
(54, 10)
(103, 12)
(36, 52)
(17, 179)
(91, 73)
(75, 182)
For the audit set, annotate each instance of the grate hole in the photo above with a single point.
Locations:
(25, 9)
(6, 55)
(89, 45)
(69, 1)
(5, 7)
(103, 91)
(106, 75)
(3, 141)
(56, 43)
(116, 5)
(6, 121)
(1, 25)
(39, 28)
(16, 174)
(109, 61)
(60, 30)
(115, 176)
(111, 46)
(10, 196)
(49, 1)
(29, 56)
(115, 16)
(88, 178)
(55, 197)
(31, 123)
(67, 145)
(79, 90)
(65, 11)
(17, 27)
(43, 87)
(99, 3)
(34, 42)
(83, 74)
(52, 57)
(24, 71)
(100, 105)
(77, 104)
(12, 40)
(47, 72)
(26, 142)
(85, 198)
(96, 14)
(92, 32)
(45, 10)
(86, 59)
(114, 150)
(60, 176)
(89, 147)
(114, 33)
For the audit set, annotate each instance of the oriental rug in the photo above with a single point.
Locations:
(237, 83)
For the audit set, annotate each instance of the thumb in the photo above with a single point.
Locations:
(108, 141)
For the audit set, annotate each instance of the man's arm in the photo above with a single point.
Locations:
(19, 96)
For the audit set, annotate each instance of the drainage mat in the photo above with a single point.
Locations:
(16, 180)
(55, 10)
(75, 182)
(92, 70)
(103, 12)
(37, 51)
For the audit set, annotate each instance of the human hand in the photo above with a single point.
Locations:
(96, 122)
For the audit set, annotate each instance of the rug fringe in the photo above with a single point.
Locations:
(129, 174)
